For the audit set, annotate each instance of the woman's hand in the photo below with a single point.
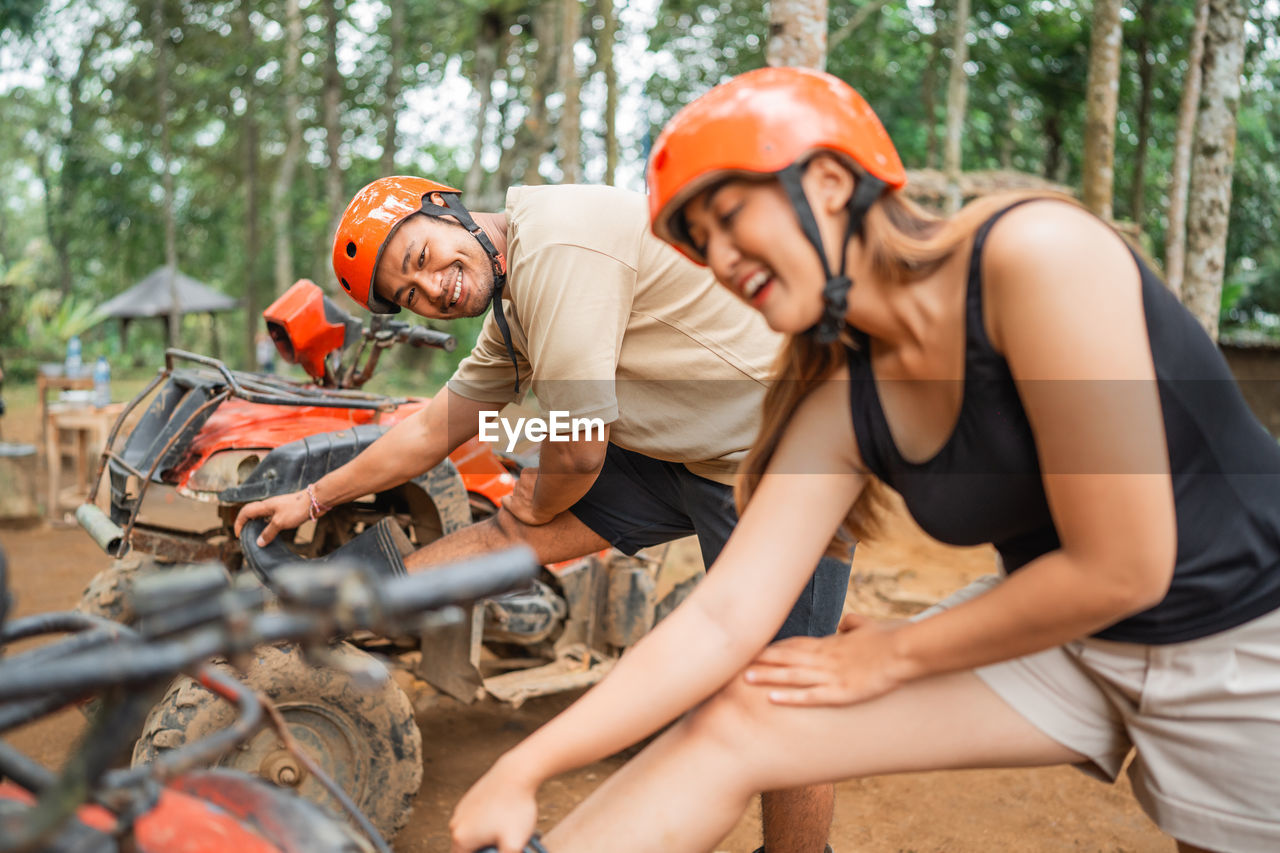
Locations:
(856, 664)
(500, 810)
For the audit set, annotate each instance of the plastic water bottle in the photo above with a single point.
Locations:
(73, 364)
(101, 382)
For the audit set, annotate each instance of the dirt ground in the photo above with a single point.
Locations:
(1054, 809)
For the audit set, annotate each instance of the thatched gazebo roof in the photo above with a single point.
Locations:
(153, 297)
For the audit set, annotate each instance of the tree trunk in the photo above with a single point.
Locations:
(1054, 162)
(608, 35)
(391, 91)
(59, 238)
(957, 104)
(63, 186)
(570, 133)
(1138, 183)
(797, 33)
(250, 141)
(929, 85)
(163, 96)
(488, 38)
(533, 137)
(1175, 237)
(1102, 92)
(281, 194)
(1212, 159)
(335, 198)
(1007, 139)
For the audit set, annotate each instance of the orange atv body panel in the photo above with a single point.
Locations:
(241, 425)
(300, 330)
(178, 823)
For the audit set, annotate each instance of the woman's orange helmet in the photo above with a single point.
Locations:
(367, 224)
(761, 122)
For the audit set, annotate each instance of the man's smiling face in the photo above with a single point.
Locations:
(435, 268)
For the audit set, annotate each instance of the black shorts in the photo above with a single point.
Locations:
(638, 501)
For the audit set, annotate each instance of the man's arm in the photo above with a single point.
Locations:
(566, 470)
(416, 444)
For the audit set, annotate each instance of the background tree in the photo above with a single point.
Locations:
(570, 112)
(391, 92)
(797, 33)
(608, 34)
(957, 101)
(335, 192)
(1208, 208)
(1100, 116)
(1143, 49)
(252, 117)
(1175, 243)
(282, 189)
(249, 145)
(162, 36)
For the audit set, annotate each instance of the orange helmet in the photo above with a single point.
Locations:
(374, 215)
(367, 224)
(761, 122)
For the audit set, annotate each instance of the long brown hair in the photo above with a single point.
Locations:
(905, 243)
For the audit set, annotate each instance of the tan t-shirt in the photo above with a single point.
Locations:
(610, 322)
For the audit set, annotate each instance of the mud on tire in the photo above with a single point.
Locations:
(107, 594)
(366, 740)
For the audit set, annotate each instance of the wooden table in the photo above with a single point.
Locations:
(44, 384)
(88, 428)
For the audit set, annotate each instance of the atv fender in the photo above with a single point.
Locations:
(292, 467)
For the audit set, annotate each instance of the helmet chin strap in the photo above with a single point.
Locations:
(453, 207)
(835, 293)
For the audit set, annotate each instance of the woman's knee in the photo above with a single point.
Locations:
(735, 717)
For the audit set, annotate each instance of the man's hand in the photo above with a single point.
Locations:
(520, 502)
(283, 512)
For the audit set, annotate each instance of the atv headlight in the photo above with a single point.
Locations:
(224, 469)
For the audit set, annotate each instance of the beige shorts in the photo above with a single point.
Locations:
(1203, 717)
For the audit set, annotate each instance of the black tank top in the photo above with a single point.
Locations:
(984, 484)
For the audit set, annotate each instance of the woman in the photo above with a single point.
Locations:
(1022, 378)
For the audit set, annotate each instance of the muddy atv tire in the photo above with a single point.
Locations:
(365, 740)
(107, 595)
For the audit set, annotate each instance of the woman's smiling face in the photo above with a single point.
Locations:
(750, 237)
(748, 234)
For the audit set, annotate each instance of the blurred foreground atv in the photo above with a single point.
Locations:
(212, 439)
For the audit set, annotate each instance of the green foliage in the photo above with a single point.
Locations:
(79, 146)
(19, 15)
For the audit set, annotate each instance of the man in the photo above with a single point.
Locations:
(600, 320)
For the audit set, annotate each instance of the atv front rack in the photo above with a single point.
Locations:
(164, 431)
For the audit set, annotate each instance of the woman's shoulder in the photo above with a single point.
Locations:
(1039, 232)
(1049, 258)
(822, 426)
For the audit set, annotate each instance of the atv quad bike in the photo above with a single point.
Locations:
(212, 439)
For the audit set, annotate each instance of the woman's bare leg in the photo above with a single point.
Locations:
(688, 789)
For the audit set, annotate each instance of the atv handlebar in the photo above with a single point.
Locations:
(184, 619)
(534, 846)
(189, 616)
(421, 336)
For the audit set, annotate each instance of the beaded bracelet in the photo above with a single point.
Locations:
(316, 509)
